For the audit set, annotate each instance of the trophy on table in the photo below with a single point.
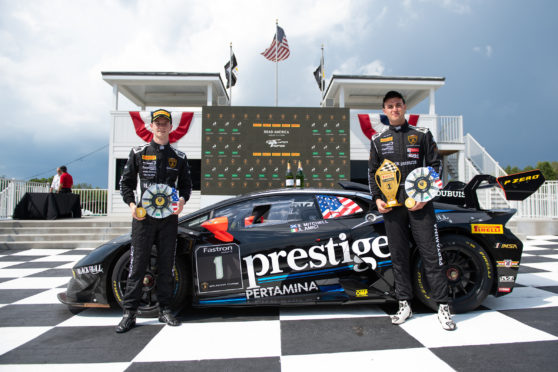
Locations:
(388, 177)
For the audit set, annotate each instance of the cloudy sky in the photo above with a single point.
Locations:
(499, 58)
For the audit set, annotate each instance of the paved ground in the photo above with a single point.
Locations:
(515, 332)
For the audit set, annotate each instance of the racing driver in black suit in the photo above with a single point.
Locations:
(409, 148)
(154, 163)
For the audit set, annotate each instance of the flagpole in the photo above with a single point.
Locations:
(276, 64)
(323, 73)
(230, 75)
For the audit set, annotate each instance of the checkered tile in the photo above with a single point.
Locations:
(518, 331)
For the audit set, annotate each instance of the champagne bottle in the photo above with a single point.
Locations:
(299, 176)
(289, 178)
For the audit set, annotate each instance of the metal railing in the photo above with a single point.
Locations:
(92, 201)
(481, 158)
(450, 129)
(542, 204)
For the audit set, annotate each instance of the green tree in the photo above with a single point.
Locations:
(83, 185)
(42, 180)
(554, 166)
(511, 170)
(528, 168)
(547, 170)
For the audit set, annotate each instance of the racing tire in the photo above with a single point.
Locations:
(468, 270)
(149, 306)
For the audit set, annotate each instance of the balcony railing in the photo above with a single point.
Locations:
(92, 201)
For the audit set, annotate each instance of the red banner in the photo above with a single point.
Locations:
(146, 135)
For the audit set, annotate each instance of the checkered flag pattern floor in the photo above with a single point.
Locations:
(515, 332)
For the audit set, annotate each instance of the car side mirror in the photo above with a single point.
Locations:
(218, 226)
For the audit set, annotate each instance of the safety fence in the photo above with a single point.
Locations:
(92, 201)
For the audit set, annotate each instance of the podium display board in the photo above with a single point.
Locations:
(247, 148)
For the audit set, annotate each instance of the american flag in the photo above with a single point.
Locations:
(436, 176)
(336, 206)
(282, 47)
(174, 200)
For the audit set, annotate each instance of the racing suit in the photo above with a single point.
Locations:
(154, 164)
(409, 148)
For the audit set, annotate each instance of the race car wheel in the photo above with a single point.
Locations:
(468, 271)
(149, 305)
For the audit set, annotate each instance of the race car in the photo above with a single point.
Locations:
(314, 246)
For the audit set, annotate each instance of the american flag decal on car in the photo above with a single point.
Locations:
(337, 206)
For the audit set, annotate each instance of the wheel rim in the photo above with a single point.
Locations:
(464, 273)
(148, 300)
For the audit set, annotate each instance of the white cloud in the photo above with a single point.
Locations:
(355, 67)
(486, 50)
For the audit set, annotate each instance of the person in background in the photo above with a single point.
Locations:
(56, 181)
(66, 181)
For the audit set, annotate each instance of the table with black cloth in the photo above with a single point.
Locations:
(47, 206)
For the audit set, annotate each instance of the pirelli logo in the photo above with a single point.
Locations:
(149, 157)
(479, 228)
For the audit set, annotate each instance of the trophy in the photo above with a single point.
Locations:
(388, 177)
(422, 184)
(159, 201)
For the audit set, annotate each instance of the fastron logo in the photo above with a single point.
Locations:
(315, 257)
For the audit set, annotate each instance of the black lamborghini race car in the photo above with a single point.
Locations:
(314, 246)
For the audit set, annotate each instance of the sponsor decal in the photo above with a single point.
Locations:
(440, 217)
(277, 143)
(413, 149)
(281, 290)
(149, 157)
(172, 162)
(480, 228)
(507, 263)
(507, 290)
(507, 279)
(488, 266)
(387, 139)
(402, 163)
(92, 269)
(412, 139)
(521, 179)
(307, 226)
(413, 156)
(260, 265)
(218, 268)
(362, 292)
(506, 246)
(452, 193)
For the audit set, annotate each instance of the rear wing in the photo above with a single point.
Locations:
(517, 186)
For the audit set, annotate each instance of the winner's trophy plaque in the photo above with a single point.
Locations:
(388, 177)
(160, 201)
(422, 185)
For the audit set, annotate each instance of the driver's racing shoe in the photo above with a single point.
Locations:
(444, 316)
(165, 316)
(403, 313)
(128, 322)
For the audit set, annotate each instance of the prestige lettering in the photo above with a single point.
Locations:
(315, 257)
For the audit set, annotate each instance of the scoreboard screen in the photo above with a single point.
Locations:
(247, 149)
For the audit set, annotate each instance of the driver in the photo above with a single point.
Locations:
(409, 148)
(155, 163)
